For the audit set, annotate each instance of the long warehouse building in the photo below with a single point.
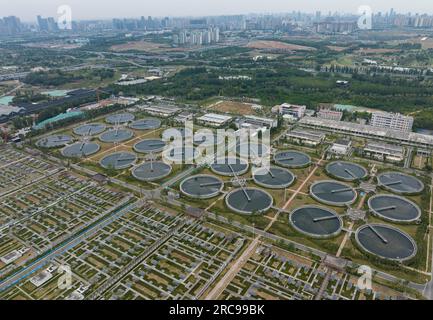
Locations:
(366, 131)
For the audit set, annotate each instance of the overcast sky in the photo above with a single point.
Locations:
(96, 9)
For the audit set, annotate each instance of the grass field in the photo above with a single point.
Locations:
(232, 107)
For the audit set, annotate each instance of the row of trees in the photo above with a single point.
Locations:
(59, 77)
(274, 86)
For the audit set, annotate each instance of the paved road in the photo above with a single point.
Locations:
(234, 270)
(408, 160)
(13, 90)
(428, 289)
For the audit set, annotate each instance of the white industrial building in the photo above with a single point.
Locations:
(341, 147)
(161, 111)
(258, 122)
(384, 151)
(330, 114)
(11, 257)
(395, 121)
(41, 278)
(308, 137)
(291, 109)
(214, 120)
(367, 131)
(184, 117)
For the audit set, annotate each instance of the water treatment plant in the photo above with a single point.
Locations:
(80, 149)
(91, 129)
(292, 159)
(314, 202)
(386, 242)
(120, 118)
(55, 141)
(346, 171)
(145, 124)
(116, 135)
(316, 222)
(202, 187)
(252, 151)
(181, 154)
(249, 201)
(400, 183)
(273, 178)
(150, 145)
(151, 171)
(207, 139)
(119, 160)
(394, 208)
(229, 166)
(333, 193)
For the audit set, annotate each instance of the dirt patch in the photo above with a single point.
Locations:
(143, 46)
(232, 107)
(376, 51)
(277, 45)
(337, 49)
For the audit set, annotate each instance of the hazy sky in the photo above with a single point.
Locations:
(90, 9)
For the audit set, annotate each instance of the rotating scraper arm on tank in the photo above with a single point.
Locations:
(240, 183)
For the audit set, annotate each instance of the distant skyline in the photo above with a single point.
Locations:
(27, 10)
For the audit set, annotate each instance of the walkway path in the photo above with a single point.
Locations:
(238, 265)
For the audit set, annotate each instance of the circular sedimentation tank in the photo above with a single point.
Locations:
(151, 171)
(202, 186)
(54, 141)
(146, 124)
(252, 151)
(292, 159)
(207, 139)
(91, 129)
(346, 171)
(118, 160)
(316, 222)
(249, 201)
(116, 135)
(400, 183)
(120, 118)
(386, 242)
(150, 145)
(333, 193)
(80, 149)
(178, 132)
(394, 208)
(181, 154)
(230, 166)
(273, 178)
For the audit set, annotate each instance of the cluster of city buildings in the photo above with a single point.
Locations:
(197, 37)
(143, 23)
(11, 25)
(47, 24)
(332, 26)
(395, 19)
(329, 23)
